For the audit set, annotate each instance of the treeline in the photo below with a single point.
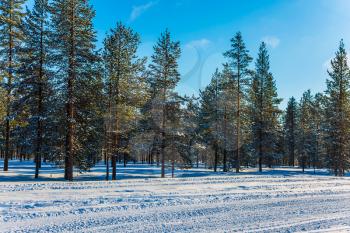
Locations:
(65, 101)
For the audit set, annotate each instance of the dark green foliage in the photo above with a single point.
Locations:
(337, 113)
(264, 112)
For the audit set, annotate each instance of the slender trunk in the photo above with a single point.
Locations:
(261, 110)
(260, 150)
(70, 105)
(8, 98)
(216, 144)
(163, 135)
(216, 158)
(238, 124)
(292, 152)
(172, 168)
(225, 146)
(114, 167)
(107, 166)
(40, 105)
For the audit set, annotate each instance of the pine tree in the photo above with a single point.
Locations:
(227, 108)
(306, 143)
(35, 86)
(239, 59)
(125, 85)
(164, 71)
(264, 110)
(11, 37)
(337, 113)
(2, 119)
(318, 123)
(209, 116)
(290, 130)
(189, 130)
(74, 56)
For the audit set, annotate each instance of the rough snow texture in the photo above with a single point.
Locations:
(280, 201)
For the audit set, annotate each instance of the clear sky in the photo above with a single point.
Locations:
(302, 35)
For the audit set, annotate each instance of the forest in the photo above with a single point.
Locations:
(67, 102)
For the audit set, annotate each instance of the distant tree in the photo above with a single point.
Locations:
(239, 61)
(165, 75)
(318, 124)
(290, 130)
(337, 113)
(306, 143)
(190, 129)
(209, 116)
(227, 109)
(264, 112)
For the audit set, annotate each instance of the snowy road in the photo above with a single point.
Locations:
(244, 203)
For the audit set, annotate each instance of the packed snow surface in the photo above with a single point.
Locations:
(284, 200)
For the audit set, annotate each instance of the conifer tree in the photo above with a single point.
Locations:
(189, 129)
(264, 110)
(125, 85)
(227, 109)
(209, 116)
(11, 38)
(74, 56)
(306, 143)
(337, 113)
(290, 130)
(35, 86)
(165, 75)
(239, 61)
(318, 115)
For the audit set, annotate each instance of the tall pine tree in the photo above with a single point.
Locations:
(11, 38)
(125, 85)
(290, 130)
(239, 60)
(165, 75)
(337, 113)
(35, 86)
(78, 80)
(264, 110)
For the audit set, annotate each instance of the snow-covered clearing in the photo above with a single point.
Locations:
(195, 201)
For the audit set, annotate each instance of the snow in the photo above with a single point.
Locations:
(284, 200)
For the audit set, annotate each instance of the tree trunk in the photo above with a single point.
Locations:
(70, 105)
(163, 135)
(238, 120)
(172, 168)
(8, 101)
(107, 166)
(225, 144)
(216, 158)
(40, 107)
(114, 167)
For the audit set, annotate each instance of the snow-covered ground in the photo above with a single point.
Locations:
(284, 200)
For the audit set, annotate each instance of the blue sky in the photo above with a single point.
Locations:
(302, 35)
